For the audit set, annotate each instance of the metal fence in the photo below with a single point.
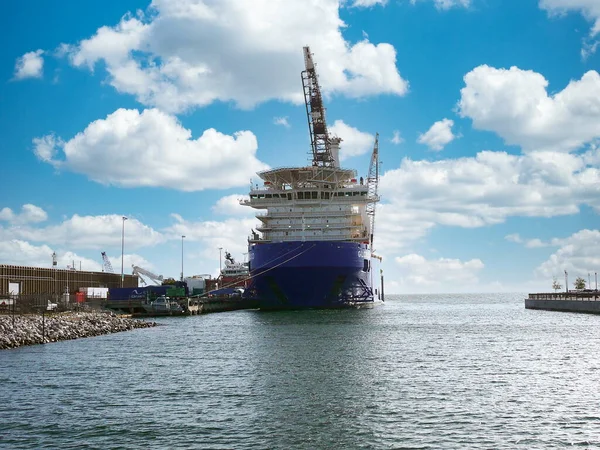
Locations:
(43, 304)
(571, 296)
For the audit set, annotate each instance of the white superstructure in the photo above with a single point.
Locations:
(311, 203)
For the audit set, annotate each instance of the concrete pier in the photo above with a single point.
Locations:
(573, 301)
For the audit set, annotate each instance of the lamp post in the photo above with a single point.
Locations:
(220, 248)
(122, 247)
(566, 282)
(182, 257)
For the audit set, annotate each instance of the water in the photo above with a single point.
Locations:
(459, 371)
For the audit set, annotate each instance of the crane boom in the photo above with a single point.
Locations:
(320, 141)
(141, 273)
(106, 265)
(372, 184)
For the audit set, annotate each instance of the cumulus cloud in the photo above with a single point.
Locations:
(152, 148)
(528, 243)
(29, 214)
(396, 138)
(230, 234)
(368, 3)
(488, 188)
(590, 10)
(418, 274)
(579, 254)
(283, 121)
(447, 4)
(186, 54)
(438, 135)
(88, 232)
(230, 206)
(354, 141)
(515, 104)
(23, 253)
(30, 65)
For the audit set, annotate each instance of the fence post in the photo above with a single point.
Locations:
(43, 325)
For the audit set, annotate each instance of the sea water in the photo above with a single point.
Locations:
(428, 371)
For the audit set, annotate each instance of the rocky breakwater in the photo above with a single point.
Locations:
(27, 329)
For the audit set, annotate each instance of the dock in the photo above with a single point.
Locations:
(584, 301)
(190, 306)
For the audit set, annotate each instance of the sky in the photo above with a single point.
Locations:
(162, 111)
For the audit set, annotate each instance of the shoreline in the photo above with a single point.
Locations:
(27, 329)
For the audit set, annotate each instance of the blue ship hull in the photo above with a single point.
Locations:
(311, 274)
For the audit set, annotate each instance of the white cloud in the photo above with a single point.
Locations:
(30, 65)
(515, 104)
(230, 235)
(579, 255)
(88, 232)
(396, 138)
(230, 206)
(187, 53)
(29, 214)
(23, 253)
(488, 188)
(447, 4)
(529, 243)
(368, 3)
(354, 141)
(151, 148)
(418, 274)
(283, 121)
(438, 135)
(590, 10)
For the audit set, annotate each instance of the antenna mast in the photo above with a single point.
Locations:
(319, 137)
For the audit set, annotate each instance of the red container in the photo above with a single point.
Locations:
(80, 297)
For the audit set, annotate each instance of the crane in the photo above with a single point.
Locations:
(372, 183)
(106, 265)
(315, 111)
(141, 273)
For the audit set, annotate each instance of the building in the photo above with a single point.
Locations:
(41, 280)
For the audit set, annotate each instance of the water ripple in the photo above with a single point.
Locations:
(424, 372)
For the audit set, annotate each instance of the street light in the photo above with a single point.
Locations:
(182, 257)
(566, 282)
(220, 248)
(122, 247)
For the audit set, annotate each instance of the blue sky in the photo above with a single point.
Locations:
(488, 113)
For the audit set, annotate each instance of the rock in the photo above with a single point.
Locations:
(27, 330)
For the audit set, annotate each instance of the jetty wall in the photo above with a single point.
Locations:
(579, 301)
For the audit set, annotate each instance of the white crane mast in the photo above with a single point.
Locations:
(141, 273)
(372, 184)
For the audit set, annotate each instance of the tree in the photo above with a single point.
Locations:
(579, 283)
(556, 285)
(169, 281)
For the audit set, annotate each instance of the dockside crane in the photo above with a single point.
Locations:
(106, 265)
(322, 144)
(372, 184)
(140, 272)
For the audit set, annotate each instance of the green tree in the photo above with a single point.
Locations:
(168, 281)
(579, 283)
(556, 285)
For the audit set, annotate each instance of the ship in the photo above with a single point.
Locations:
(314, 245)
(234, 274)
